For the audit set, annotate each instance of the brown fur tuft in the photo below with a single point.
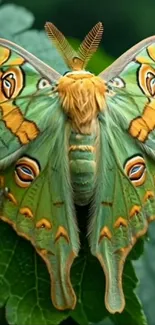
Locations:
(82, 99)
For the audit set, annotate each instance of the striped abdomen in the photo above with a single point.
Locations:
(82, 158)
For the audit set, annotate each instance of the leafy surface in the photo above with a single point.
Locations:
(145, 269)
(20, 20)
(24, 280)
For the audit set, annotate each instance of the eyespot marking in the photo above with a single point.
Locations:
(26, 170)
(43, 83)
(146, 79)
(11, 83)
(135, 169)
(8, 84)
(150, 83)
(117, 82)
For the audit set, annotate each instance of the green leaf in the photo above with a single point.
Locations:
(145, 270)
(24, 283)
(88, 279)
(39, 44)
(2, 316)
(14, 19)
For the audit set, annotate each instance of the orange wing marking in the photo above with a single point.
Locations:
(135, 210)
(11, 84)
(62, 232)
(4, 55)
(151, 51)
(105, 233)
(6, 192)
(149, 195)
(44, 223)
(25, 130)
(120, 222)
(11, 198)
(140, 127)
(26, 212)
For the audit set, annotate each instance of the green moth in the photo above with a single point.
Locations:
(78, 139)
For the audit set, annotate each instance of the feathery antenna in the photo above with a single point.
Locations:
(76, 60)
(61, 43)
(90, 44)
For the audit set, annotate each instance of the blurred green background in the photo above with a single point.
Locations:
(125, 24)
